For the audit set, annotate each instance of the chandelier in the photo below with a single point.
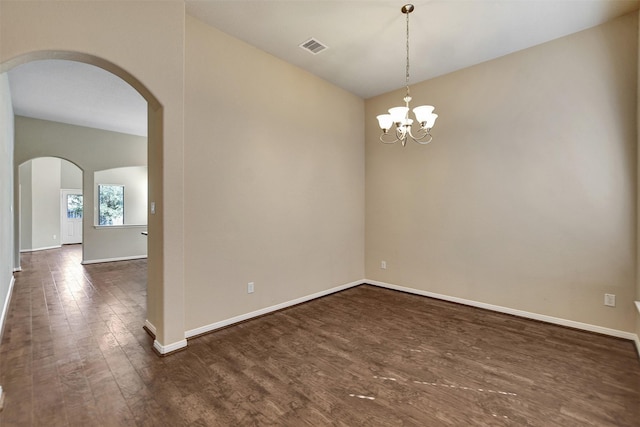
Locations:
(400, 115)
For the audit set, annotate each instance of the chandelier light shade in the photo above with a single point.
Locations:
(399, 116)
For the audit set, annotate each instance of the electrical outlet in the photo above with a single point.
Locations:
(250, 287)
(610, 300)
(383, 265)
(55, 237)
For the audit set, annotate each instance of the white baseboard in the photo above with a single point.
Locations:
(150, 327)
(5, 308)
(164, 349)
(507, 310)
(124, 258)
(221, 324)
(45, 248)
(520, 313)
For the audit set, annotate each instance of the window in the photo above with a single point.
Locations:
(110, 204)
(134, 180)
(74, 206)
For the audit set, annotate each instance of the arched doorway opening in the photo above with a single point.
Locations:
(51, 203)
(155, 284)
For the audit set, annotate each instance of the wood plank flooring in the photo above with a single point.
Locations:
(74, 354)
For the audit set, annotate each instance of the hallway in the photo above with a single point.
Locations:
(73, 340)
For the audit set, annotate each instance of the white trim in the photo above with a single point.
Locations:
(40, 249)
(221, 324)
(17, 269)
(123, 258)
(116, 227)
(164, 349)
(637, 339)
(64, 193)
(5, 308)
(150, 326)
(520, 313)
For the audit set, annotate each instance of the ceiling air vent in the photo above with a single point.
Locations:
(314, 46)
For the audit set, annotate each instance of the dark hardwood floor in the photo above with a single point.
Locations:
(74, 353)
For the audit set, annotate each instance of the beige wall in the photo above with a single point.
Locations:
(638, 205)
(6, 195)
(44, 192)
(526, 198)
(142, 42)
(24, 207)
(274, 180)
(70, 176)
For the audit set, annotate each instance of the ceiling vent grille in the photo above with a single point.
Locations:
(314, 46)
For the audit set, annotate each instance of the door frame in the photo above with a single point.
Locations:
(64, 192)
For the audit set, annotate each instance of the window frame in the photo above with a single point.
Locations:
(100, 207)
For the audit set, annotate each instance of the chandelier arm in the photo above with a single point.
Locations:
(419, 141)
(387, 142)
(423, 133)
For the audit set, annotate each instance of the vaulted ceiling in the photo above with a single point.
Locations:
(365, 54)
(366, 39)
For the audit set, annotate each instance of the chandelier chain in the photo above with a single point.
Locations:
(407, 70)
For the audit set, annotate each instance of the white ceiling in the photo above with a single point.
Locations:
(366, 39)
(366, 54)
(78, 94)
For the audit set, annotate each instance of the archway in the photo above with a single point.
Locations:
(51, 205)
(155, 285)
